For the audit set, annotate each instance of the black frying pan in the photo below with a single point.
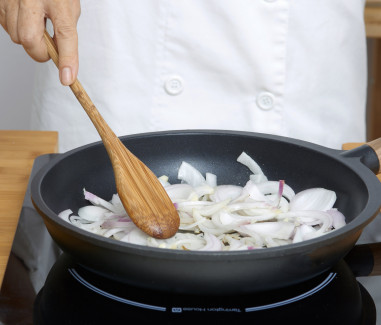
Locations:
(302, 165)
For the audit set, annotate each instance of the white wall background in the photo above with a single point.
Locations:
(16, 84)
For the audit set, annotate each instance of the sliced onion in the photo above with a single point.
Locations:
(65, 214)
(178, 192)
(338, 218)
(212, 243)
(96, 200)
(272, 187)
(259, 178)
(135, 236)
(280, 230)
(190, 175)
(303, 232)
(211, 179)
(250, 163)
(109, 224)
(118, 206)
(203, 190)
(226, 217)
(92, 213)
(112, 232)
(313, 199)
(164, 180)
(226, 192)
(251, 190)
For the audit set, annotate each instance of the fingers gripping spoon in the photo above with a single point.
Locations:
(141, 193)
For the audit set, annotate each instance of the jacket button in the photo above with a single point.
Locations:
(265, 101)
(174, 85)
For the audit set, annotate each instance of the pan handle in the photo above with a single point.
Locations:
(369, 154)
(376, 146)
(365, 260)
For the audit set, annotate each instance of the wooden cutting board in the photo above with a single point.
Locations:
(18, 149)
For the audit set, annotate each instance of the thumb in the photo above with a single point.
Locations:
(64, 16)
(66, 38)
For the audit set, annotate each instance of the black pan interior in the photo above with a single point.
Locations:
(301, 167)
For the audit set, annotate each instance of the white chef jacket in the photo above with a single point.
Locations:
(294, 68)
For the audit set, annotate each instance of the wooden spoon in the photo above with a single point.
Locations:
(141, 193)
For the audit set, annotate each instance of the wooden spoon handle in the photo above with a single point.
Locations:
(103, 129)
(144, 198)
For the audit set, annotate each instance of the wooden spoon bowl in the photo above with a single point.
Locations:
(141, 193)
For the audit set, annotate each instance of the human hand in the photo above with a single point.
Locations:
(24, 21)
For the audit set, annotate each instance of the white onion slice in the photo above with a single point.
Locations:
(251, 190)
(338, 218)
(226, 192)
(98, 201)
(250, 163)
(259, 178)
(92, 213)
(279, 230)
(135, 236)
(212, 243)
(211, 179)
(178, 192)
(65, 214)
(272, 187)
(313, 199)
(190, 175)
